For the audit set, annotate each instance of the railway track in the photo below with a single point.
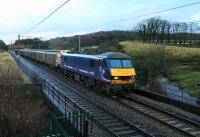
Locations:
(112, 123)
(181, 124)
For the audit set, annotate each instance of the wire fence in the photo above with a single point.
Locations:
(76, 123)
(63, 103)
(172, 90)
(81, 121)
(20, 105)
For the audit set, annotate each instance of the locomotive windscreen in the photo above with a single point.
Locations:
(114, 63)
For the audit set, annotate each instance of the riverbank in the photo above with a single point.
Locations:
(187, 80)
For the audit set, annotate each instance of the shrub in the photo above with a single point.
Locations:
(21, 113)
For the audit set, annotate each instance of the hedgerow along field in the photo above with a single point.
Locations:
(164, 59)
(10, 73)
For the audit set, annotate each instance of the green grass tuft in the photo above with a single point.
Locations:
(188, 80)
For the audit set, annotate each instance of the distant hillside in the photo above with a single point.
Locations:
(92, 39)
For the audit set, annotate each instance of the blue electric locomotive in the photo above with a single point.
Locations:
(111, 70)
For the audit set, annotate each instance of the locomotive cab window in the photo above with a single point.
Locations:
(114, 63)
(127, 63)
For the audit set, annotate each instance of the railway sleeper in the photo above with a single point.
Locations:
(91, 108)
(104, 118)
(139, 107)
(80, 101)
(155, 114)
(120, 128)
(143, 109)
(148, 111)
(76, 99)
(196, 133)
(172, 122)
(94, 110)
(161, 116)
(193, 130)
(178, 125)
(99, 112)
(100, 115)
(166, 119)
(187, 129)
(112, 123)
(72, 96)
(127, 133)
(85, 104)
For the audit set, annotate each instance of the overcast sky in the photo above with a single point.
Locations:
(83, 16)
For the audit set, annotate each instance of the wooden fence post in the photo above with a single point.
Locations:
(85, 128)
(65, 106)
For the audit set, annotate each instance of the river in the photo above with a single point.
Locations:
(172, 90)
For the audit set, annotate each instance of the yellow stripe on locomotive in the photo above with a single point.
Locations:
(122, 71)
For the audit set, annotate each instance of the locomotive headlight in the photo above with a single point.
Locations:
(116, 78)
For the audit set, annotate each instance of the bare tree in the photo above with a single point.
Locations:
(157, 30)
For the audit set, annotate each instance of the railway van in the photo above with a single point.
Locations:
(47, 57)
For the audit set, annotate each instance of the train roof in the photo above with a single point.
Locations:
(108, 55)
(80, 55)
(48, 51)
(114, 55)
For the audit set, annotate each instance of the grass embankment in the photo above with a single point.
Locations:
(22, 108)
(10, 73)
(171, 56)
(23, 111)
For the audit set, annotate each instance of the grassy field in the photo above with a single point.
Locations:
(187, 78)
(138, 49)
(9, 70)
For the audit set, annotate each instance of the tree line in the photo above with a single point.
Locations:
(158, 30)
(35, 43)
(3, 45)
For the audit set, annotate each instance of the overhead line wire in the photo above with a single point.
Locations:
(160, 11)
(47, 17)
